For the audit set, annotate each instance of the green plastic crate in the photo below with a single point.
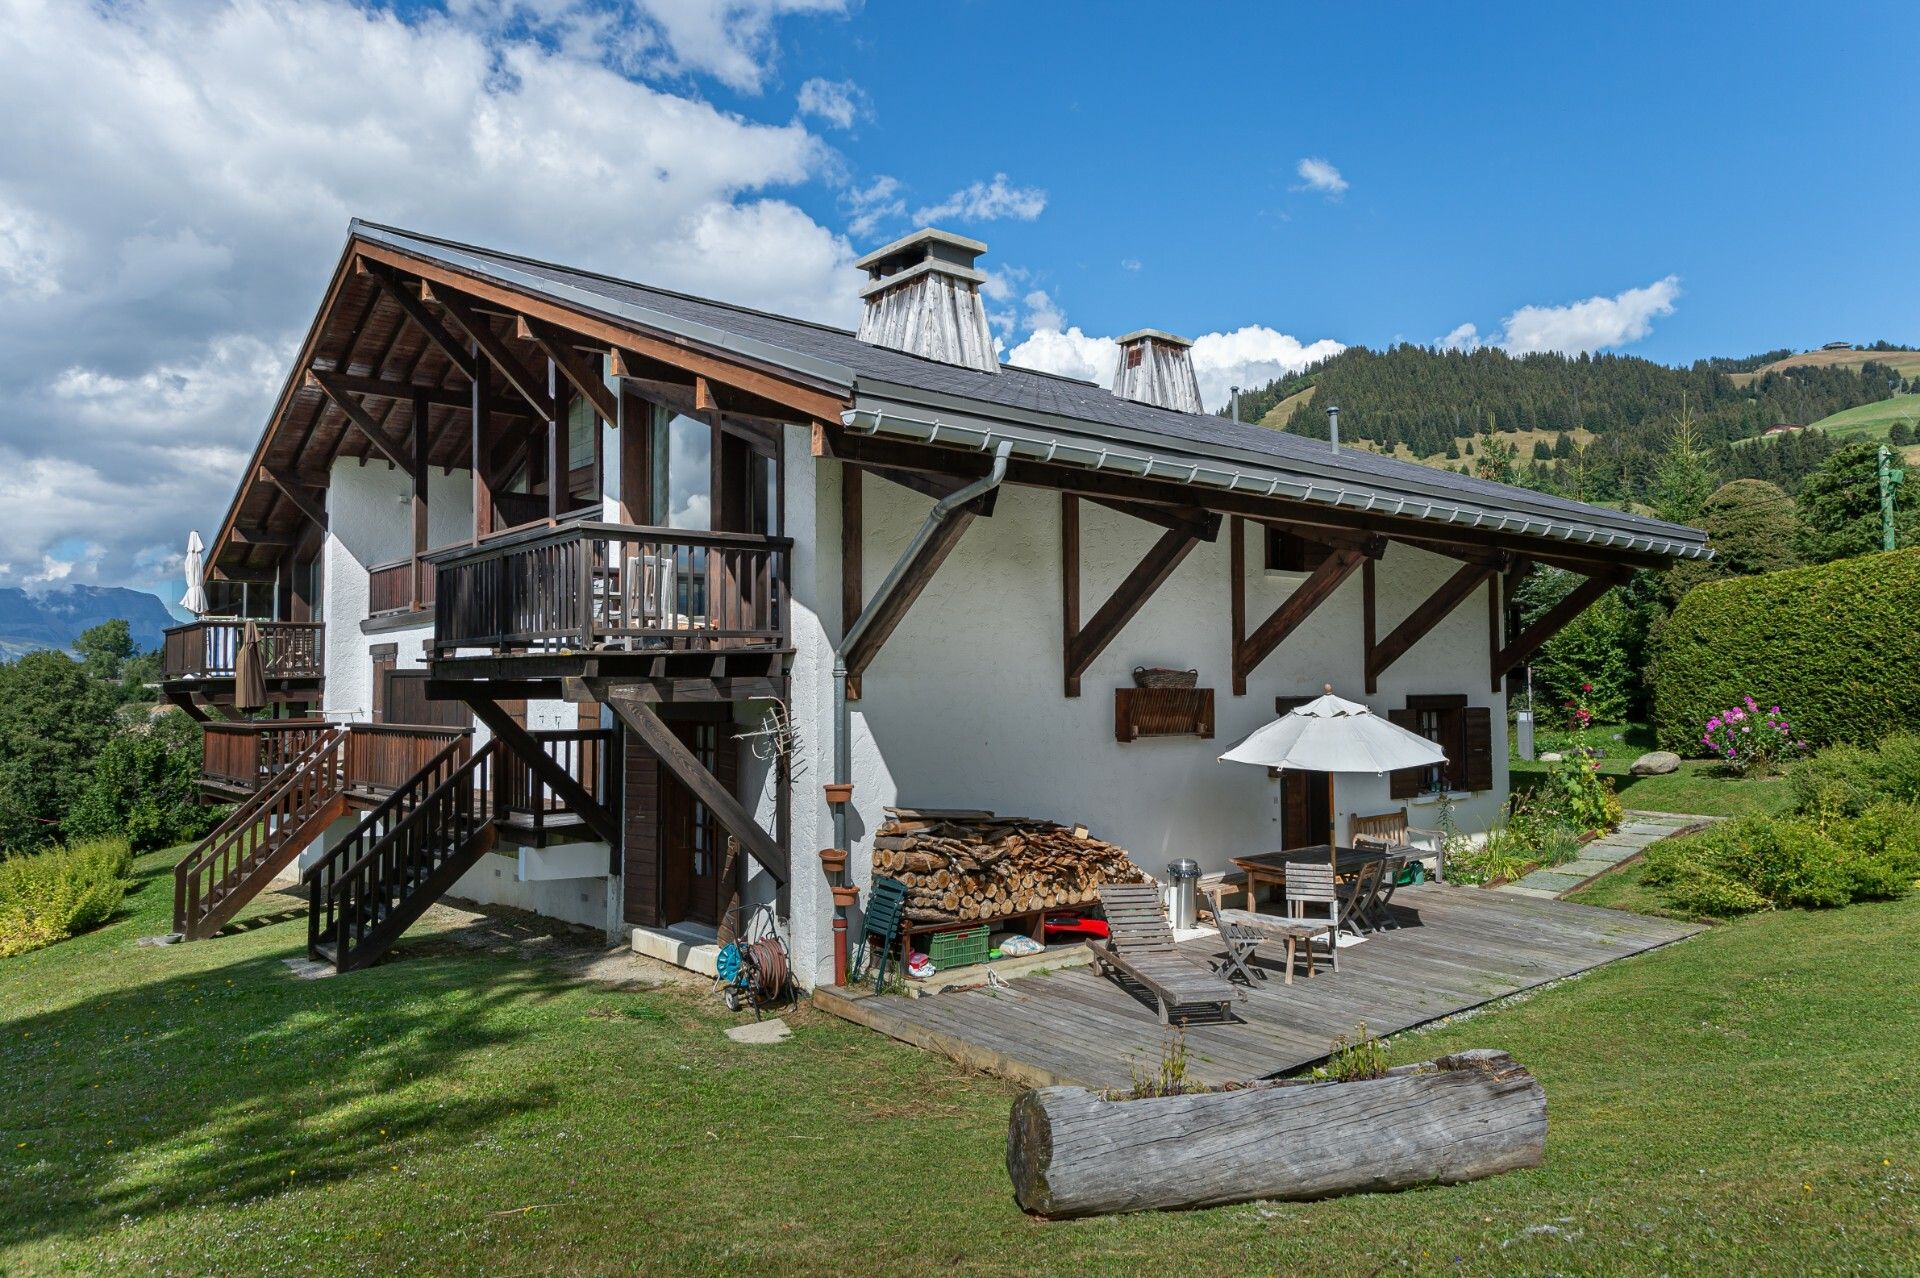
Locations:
(958, 949)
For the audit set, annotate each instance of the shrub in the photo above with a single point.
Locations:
(1836, 642)
(1763, 863)
(49, 896)
(1844, 780)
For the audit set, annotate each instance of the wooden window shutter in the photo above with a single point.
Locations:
(1477, 729)
(1406, 783)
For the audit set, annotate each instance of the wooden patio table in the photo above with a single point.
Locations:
(1271, 867)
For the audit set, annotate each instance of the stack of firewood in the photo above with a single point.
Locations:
(964, 865)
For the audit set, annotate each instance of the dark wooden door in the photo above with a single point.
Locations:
(1306, 809)
(692, 839)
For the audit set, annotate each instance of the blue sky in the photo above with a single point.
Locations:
(1275, 181)
(1496, 157)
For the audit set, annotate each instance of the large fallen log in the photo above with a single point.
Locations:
(1071, 1152)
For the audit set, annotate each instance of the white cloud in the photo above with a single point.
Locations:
(987, 202)
(1129, 263)
(1595, 324)
(178, 181)
(872, 205)
(730, 40)
(1244, 357)
(1598, 323)
(1318, 175)
(839, 103)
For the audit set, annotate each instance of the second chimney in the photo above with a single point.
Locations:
(1157, 368)
(923, 297)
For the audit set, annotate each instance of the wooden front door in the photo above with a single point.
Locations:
(694, 882)
(1306, 809)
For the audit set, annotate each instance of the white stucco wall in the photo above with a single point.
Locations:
(964, 706)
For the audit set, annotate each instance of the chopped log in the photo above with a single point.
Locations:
(963, 865)
(1071, 1152)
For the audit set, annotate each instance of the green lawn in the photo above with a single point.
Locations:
(1737, 1104)
(1699, 788)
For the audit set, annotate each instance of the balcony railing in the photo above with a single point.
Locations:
(379, 756)
(206, 649)
(587, 755)
(390, 587)
(595, 586)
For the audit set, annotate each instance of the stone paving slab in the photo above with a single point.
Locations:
(1638, 831)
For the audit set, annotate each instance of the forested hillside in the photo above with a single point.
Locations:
(1592, 425)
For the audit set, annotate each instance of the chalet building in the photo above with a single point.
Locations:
(585, 596)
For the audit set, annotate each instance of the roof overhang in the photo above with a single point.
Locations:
(910, 415)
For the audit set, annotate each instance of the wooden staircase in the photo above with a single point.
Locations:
(404, 856)
(263, 836)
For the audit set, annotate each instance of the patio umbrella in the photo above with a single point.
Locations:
(249, 672)
(1330, 734)
(195, 600)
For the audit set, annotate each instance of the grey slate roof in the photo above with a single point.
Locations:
(834, 355)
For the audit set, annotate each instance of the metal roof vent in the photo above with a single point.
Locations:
(1157, 368)
(923, 297)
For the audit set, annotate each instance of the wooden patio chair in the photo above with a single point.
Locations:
(1243, 932)
(1140, 954)
(1391, 830)
(1311, 886)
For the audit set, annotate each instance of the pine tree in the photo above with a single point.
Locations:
(1684, 479)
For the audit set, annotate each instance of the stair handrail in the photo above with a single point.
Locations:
(413, 814)
(244, 817)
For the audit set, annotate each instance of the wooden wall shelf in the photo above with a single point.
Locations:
(1162, 712)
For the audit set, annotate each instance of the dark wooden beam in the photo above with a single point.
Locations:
(556, 346)
(1369, 614)
(248, 537)
(654, 733)
(514, 371)
(1298, 606)
(1548, 624)
(934, 486)
(1201, 524)
(1495, 612)
(415, 310)
(394, 450)
(917, 573)
(1084, 644)
(598, 816)
(1237, 598)
(439, 396)
(482, 390)
(1435, 609)
(296, 492)
(422, 539)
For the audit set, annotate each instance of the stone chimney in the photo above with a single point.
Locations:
(923, 297)
(1157, 368)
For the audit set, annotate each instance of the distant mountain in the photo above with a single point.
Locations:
(30, 620)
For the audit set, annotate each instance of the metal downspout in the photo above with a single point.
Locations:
(842, 712)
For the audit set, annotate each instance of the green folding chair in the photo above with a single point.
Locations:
(886, 909)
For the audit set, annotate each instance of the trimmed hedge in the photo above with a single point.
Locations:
(1837, 646)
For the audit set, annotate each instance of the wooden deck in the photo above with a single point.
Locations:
(1456, 948)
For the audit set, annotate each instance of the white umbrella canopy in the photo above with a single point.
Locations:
(195, 600)
(1330, 734)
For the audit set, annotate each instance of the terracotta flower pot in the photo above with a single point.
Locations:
(833, 860)
(846, 896)
(838, 793)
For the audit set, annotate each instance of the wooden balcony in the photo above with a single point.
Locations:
(589, 755)
(390, 588)
(597, 587)
(197, 660)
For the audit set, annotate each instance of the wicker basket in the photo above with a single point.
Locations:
(1162, 677)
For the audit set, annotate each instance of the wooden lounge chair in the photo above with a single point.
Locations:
(1140, 954)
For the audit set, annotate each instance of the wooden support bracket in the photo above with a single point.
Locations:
(1250, 651)
(686, 767)
(1549, 624)
(1082, 645)
(554, 344)
(917, 572)
(296, 492)
(392, 449)
(425, 320)
(458, 308)
(1421, 620)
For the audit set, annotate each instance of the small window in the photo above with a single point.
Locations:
(1290, 552)
(1135, 354)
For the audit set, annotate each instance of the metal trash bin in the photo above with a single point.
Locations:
(1183, 893)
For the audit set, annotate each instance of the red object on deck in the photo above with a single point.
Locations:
(1068, 927)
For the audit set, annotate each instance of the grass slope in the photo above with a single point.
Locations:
(1737, 1104)
(1699, 788)
(1906, 363)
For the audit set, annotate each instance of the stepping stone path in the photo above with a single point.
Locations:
(1638, 831)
